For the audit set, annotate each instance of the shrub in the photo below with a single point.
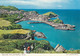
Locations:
(14, 36)
(10, 45)
(13, 26)
(39, 50)
(16, 51)
(6, 48)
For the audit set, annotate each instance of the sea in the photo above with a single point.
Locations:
(70, 40)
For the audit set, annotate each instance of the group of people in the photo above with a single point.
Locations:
(27, 50)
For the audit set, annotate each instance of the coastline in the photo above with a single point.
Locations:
(56, 25)
(52, 24)
(45, 19)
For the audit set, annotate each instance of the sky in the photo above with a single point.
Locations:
(42, 4)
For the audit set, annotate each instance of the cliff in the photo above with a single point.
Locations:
(59, 48)
(39, 35)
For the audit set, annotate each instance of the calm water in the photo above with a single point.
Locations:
(68, 39)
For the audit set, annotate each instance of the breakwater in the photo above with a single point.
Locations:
(57, 26)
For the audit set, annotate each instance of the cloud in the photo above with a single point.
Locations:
(60, 6)
(52, 1)
(34, 2)
(37, 3)
(40, 3)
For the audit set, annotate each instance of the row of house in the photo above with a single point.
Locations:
(28, 15)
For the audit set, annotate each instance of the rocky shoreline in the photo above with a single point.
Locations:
(44, 19)
(59, 48)
(35, 16)
(58, 26)
(39, 35)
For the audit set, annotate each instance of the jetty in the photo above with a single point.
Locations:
(57, 26)
(34, 22)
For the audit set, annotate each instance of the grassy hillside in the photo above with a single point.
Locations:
(57, 21)
(20, 31)
(49, 13)
(4, 22)
(8, 7)
(16, 46)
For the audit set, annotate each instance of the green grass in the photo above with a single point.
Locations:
(52, 51)
(8, 7)
(57, 21)
(4, 22)
(13, 51)
(20, 31)
(9, 46)
(48, 13)
(74, 51)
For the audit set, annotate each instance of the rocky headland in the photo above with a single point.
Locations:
(59, 48)
(39, 35)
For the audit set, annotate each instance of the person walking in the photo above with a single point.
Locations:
(28, 49)
(24, 50)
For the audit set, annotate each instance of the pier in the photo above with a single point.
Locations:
(57, 26)
(34, 22)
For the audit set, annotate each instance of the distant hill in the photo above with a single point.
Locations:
(51, 14)
(8, 7)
